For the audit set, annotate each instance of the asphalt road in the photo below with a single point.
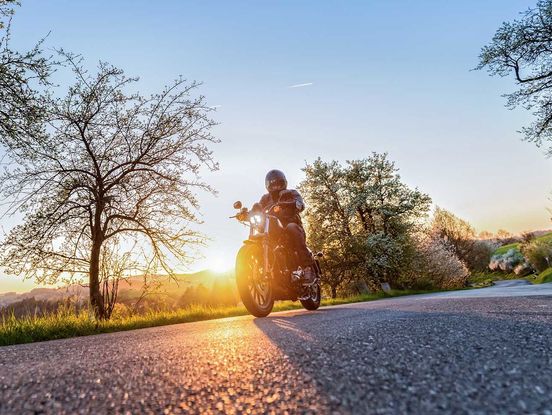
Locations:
(477, 351)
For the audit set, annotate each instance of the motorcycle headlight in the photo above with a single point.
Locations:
(255, 219)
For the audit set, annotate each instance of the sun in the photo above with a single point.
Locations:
(219, 264)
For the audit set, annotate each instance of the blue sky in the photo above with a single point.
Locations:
(384, 76)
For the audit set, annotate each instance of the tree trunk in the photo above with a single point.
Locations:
(334, 291)
(362, 218)
(96, 298)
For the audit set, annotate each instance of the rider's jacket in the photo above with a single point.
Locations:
(291, 204)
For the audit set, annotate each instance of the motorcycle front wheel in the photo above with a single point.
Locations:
(254, 286)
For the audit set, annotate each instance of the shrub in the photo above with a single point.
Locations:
(477, 258)
(461, 239)
(522, 269)
(435, 265)
(382, 255)
(539, 253)
(506, 262)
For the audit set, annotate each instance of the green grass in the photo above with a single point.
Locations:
(67, 323)
(545, 276)
(503, 249)
(482, 277)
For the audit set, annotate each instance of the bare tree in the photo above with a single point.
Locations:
(116, 265)
(522, 48)
(461, 239)
(21, 76)
(110, 163)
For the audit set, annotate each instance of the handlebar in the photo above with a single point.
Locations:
(244, 211)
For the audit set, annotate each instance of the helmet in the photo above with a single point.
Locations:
(275, 181)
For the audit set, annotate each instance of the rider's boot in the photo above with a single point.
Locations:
(308, 275)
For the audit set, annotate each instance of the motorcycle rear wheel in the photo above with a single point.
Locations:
(313, 302)
(254, 287)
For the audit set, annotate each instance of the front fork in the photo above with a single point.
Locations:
(265, 259)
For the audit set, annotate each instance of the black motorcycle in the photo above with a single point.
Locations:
(267, 270)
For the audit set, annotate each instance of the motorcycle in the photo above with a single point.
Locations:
(266, 270)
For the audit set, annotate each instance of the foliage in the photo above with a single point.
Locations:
(503, 237)
(329, 222)
(461, 237)
(112, 166)
(522, 48)
(480, 255)
(354, 288)
(523, 269)
(435, 265)
(486, 235)
(515, 257)
(378, 198)
(359, 214)
(544, 277)
(383, 257)
(40, 308)
(478, 277)
(539, 253)
(506, 262)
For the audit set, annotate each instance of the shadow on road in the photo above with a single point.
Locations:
(418, 357)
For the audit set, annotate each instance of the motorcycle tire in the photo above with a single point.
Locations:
(313, 302)
(255, 291)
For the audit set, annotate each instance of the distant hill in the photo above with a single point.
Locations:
(544, 235)
(44, 294)
(128, 288)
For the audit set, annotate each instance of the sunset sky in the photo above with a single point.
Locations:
(294, 80)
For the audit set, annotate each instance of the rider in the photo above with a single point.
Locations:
(289, 205)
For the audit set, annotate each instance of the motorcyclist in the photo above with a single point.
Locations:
(289, 205)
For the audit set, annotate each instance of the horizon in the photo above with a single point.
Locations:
(287, 80)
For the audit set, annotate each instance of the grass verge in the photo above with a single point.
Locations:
(66, 323)
(545, 276)
(505, 248)
(485, 279)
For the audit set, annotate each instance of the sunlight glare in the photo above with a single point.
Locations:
(220, 265)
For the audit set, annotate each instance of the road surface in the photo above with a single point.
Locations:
(475, 351)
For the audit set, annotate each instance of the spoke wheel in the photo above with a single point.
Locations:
(313, 298)
(257, 283)
(312, 302)
(253, 285)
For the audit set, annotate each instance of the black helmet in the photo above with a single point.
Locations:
(275, 181)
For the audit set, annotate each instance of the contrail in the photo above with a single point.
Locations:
(300, 85)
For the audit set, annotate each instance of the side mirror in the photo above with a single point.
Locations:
(237, 205)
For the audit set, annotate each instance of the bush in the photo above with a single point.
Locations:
(506, 262)
(477, 258)
(545, 276)
(435, 265)
(523, 269)
(382, 255)
(461, 239)
(539, 253)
